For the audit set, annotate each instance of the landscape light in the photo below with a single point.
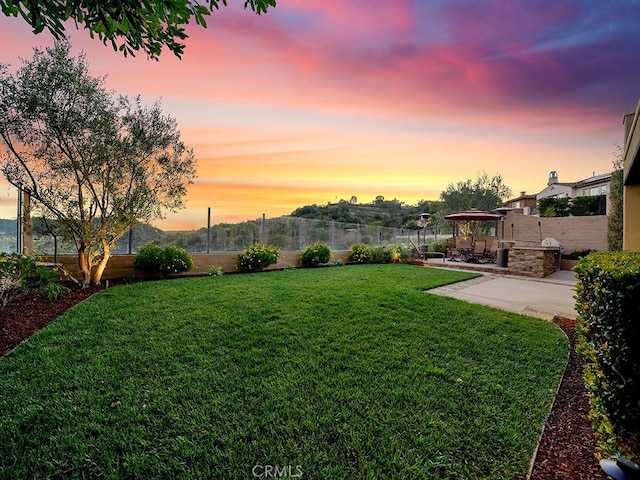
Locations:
(621, 468)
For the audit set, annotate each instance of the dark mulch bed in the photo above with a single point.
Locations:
(28, 313)
(566, 449)
(567, 446)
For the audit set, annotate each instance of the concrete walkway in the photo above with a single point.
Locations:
(543, 298)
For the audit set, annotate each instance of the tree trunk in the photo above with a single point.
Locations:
(97, 274)
(83, 263)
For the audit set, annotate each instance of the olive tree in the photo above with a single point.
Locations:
(95, 162)
(127, 24)
(485, 193)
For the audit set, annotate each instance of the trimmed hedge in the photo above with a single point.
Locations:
(608, 304)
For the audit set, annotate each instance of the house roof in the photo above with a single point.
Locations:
(522, 197)
(605, 177)
(595, 180)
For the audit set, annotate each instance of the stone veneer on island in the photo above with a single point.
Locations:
(532, 260)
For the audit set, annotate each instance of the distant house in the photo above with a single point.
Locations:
(525, 204)
(592, 186)
(631, 180)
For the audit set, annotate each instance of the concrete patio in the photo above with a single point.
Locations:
(543, 298)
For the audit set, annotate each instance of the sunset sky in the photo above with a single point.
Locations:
(321, 100)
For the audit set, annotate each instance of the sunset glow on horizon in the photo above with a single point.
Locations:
(320, 101)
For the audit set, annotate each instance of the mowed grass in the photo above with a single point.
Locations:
(349, 372)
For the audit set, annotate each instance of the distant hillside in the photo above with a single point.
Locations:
(7, 235)
(7, 226)
(387, 213)
(236, 236)
(44, 242)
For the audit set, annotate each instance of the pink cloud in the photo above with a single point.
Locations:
(379, 78)
(356, 19)
(445, 71)
(346, 58)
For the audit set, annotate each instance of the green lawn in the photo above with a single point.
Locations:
(348, 372)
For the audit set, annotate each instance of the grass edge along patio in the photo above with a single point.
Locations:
(345, 372)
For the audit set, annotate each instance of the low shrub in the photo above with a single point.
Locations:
(257, 257)
(54, 290)
(175, 260)
(19, 273)
(315, 255)
(44, 281)
(14, 272)
(215, 271)
(440, 247)
(607, 303)
(400, 254)
(576, 255)
(154, 259)
(360, 253)
(149, 259)
(129, 278)
(380, 254)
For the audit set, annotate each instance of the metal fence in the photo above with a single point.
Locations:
(8, 235)
(286, 233)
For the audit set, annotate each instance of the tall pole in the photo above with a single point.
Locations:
(208, 229)
(130, 241)
(19, 222)
(540, 230)
(264, 230)
(300, 235)
(27, 227)
(333, 235)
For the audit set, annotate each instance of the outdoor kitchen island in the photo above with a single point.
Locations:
(532, 259)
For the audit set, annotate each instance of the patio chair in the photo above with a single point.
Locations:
(450, 247)
(492, 252)
(465, 247)
(462, 250)
(479, 250)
